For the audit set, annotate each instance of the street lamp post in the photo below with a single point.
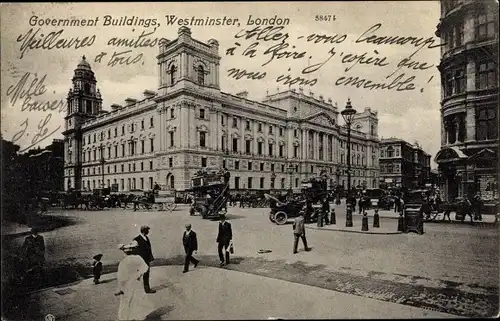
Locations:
(273, 178)
(290, 171)
(348, 115)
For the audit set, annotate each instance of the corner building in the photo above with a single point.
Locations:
(468, 159)
(189, 123)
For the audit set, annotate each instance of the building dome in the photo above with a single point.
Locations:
(83, 64)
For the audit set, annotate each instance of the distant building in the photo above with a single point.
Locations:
(189, 123)
(468, 159)
(403, 165)
(45, 167)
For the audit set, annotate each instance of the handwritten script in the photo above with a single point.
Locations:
(273, 43)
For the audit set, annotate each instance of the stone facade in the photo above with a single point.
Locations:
(403, 165)
(190, 123)
(468, 158)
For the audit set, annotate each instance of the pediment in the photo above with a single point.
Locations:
(202, 128)
(235, 135)
(271, 140)
(248, 137)
(321, 119)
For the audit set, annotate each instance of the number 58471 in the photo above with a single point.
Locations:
(326, 18)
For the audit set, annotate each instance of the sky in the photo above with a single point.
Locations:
(412, 115)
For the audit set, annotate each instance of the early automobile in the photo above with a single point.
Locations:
(209, 192)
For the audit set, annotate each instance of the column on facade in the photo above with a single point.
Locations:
(255, 137)
(290, 142)
(316, 145)
(241, 147)
(181, 115)
(303, 153)
(470, 123)
(457, 128)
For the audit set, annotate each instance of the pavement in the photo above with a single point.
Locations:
(452, 268)
(388, 227)
(213, 294)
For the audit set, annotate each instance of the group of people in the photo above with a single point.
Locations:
(134, 268)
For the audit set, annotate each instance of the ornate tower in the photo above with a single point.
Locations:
(84, 102)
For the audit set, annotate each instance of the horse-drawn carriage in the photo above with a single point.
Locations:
(162, 199)
(209, 192)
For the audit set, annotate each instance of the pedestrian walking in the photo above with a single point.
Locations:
(477, 202)
(299, 230)
(33, 255)
(190, 243)
(134, 304)
(145, 251)
(97, 268)
(224, 238)
(326, 210)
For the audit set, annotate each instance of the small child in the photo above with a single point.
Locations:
(97, 268)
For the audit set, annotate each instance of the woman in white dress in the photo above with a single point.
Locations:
(134, 304)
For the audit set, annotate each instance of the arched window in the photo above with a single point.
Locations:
(86, 88)
(172, 182)
(173, 70)
(202, 139)
(201, 75)
(88, 107)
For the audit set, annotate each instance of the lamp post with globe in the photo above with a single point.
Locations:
(348, 114)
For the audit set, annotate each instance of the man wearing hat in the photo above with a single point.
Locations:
(190, 243)
(224, 238)
(33, 252)
(97, 268)
(144, 250)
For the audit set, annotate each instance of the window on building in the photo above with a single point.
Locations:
(201, 75)
(151, 122)
(397, 151)
(123, 130)
(270, 129)
(122, 184)
(95, 154)
(142, 166)
(283, 183)
(249, 183)
(390, 168)
(235, 145)
(94, 138)
(281, 131)
(132, 148)
(295, 151)
(295, 133)
(223, 163)
(261, 166)
(249, 166)
(222, 120)
(342, 158)
(134, 186)
(248, 146)
(236, 164)
(236, 182)
(487, 123)
(261, 182)
(202, 139)
(259, 128)
(282, 168)
(132, 128)
(247, 125)
(202, 113)
(173, 71)
(223, 143)
(171, 139)
(133, 166)
(142, 183)
(123, 150)
(150, 183)
(280, 148)
(142, 147)
(116, 151)
(129, 185)
(129, 167)
(271, 149)
(123, 168)
(486, 75)
(170, 162)
(109, 133)
(203, 162)
(114, 169)
(296, 182)
(259, 148)
(142, 124)
(235, 122)
(485, 25)
(172, 113)
(151, 165)
(312, 168)
(272, 167)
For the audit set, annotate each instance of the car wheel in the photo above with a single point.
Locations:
(271, 217)
(280, 218)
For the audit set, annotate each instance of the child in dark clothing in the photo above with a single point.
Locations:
(97, 268)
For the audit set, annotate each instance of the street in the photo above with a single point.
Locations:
(452, 268)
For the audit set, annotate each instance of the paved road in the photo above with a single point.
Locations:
(452, 267)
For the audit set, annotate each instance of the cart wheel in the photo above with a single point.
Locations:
(280, 218)
(271, 217)
(171, 207)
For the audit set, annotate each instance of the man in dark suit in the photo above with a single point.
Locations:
(190, 245)
(145, 251)
(224, 237)
(299, 231)
(33, 254)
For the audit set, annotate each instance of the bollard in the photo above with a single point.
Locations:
(319, 219)
(401, 222)
(376, 219)
(333, 219)
(364, 222)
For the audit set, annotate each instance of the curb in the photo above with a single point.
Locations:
(352, 231)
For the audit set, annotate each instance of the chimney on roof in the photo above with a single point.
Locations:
(130, 101)
(115, 107)
(243, 94)
(330, 101)
(321, 97)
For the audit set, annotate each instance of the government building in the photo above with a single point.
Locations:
(189, 123)
(468, 159)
